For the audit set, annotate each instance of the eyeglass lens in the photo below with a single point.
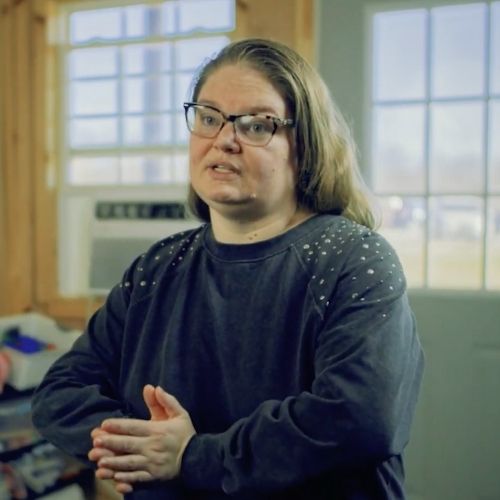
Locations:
(252, 129)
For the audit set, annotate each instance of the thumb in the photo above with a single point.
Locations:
(169, 403)
(156, 410)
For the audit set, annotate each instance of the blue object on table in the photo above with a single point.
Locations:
(23, 343)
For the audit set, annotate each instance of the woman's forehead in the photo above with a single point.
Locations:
(243, 85)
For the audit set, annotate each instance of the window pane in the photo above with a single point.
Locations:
(85, 63)
(150, 58)
(205, 15)
(495, 48)
(493, 245)
(169, 22)
(398, 149)
(183, 88)
(458, 51)
(87, 171)
(142, 95)
(180, 162)
(141, 21)
(126, 92)
(404, 227)
(133, 95)
(190, 54)
(455, 246)
(93, 98)
(494, 143)
(149, 169)
(457, 148)
(94, 25)
(136, 21)
(93, 132)
(147, 130)
(181, 131)
(399, 55)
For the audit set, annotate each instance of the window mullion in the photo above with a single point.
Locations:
(427, 144)
(486, 142)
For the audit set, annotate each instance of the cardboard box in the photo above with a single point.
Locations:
(28, 369)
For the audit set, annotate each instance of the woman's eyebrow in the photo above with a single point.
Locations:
(264, 109)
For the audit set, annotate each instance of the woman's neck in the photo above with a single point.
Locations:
(235, 231)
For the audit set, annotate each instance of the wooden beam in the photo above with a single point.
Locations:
(73, 312)
(287, 21)
(22, 188)
(17, 184)
(45, 193)
(4, 45)
(304, 30)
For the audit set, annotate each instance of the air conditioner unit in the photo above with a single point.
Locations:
(123, 230)
(100, 238)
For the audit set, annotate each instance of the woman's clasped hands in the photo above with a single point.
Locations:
(132, 450)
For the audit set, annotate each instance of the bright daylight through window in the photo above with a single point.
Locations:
(435, 149)
(127, 72)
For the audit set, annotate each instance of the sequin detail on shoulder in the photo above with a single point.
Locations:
(168, 253)
(348, 258)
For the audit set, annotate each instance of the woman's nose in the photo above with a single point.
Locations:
(227, 139)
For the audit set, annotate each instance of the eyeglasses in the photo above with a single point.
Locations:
(252, 129)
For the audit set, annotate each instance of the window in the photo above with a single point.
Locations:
(435, 152)
(125, 69)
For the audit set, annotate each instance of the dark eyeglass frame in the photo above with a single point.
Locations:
(277, 122)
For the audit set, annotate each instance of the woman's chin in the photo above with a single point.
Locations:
(240, 208)
(229, 197)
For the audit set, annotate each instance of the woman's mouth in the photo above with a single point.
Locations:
(224, 168)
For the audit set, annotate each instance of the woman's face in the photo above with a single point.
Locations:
(236, 179)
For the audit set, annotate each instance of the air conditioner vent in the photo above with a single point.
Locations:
(140, 210)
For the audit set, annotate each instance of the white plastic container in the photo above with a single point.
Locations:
(27, 370)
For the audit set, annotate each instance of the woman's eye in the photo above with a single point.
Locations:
(208, 120)
(258, 127)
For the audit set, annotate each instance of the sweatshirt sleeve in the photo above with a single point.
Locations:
(79, 390)
(358, 412)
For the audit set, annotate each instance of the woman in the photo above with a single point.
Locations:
(270, 353)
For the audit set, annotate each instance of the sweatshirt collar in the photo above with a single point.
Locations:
(260, 249)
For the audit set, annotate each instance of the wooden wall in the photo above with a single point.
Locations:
(288, 21)
(16, 105)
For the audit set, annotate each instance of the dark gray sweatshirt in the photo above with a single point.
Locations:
(297, 359)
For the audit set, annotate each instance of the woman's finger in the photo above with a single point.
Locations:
(96, 454)
(138, 476)
(125, 427)
(123, 488)
(119, 444)
(170, 404)
(156, 410)
(102, 473)
(124, 463)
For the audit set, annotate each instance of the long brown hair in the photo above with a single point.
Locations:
(328, 175)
